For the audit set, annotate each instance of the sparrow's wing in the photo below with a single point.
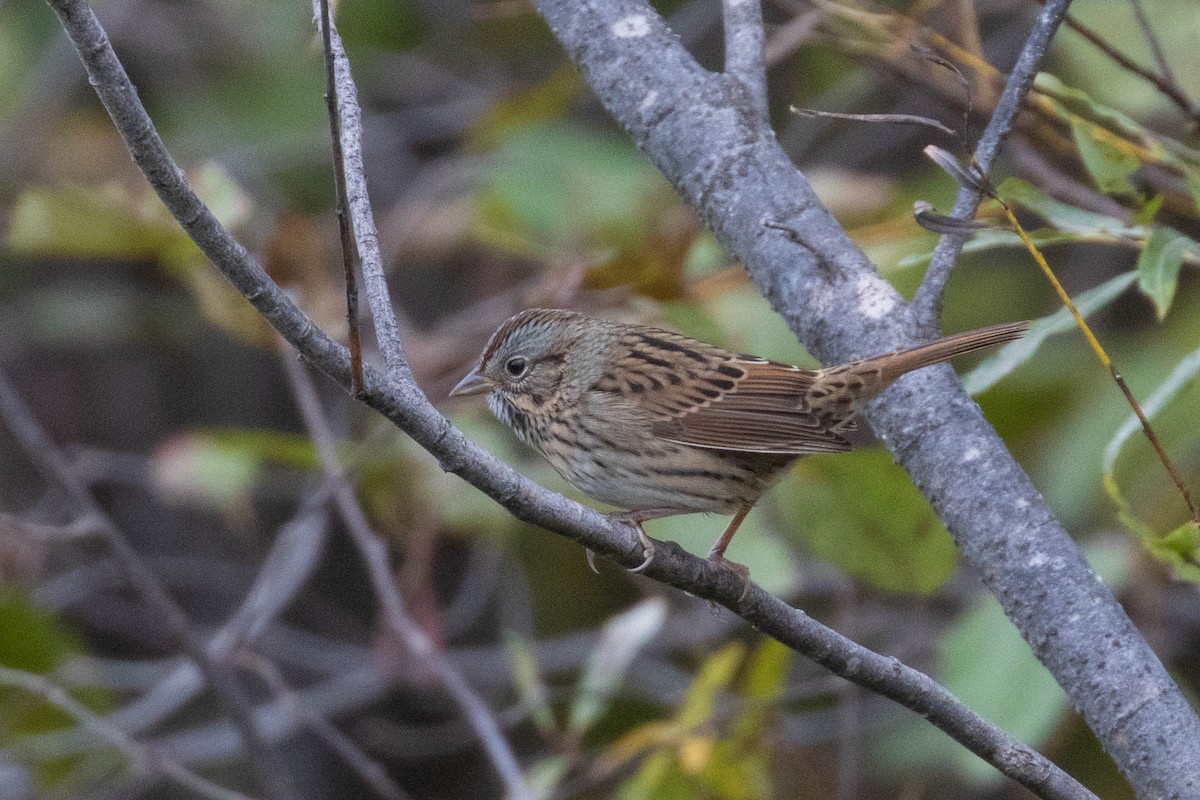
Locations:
(700, 395)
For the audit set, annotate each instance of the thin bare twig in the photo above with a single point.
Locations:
(950, 225)
(293, 556)
(890, 119)
(1104, 358)
(1168, 87)
(343, 212)
(1061, 186)
(266, 760)
(371, 771)
(343, 96)
(1160, 57)
(285, 569)
(379, 302)
(79, 528)
(927, 303)
(787, 38)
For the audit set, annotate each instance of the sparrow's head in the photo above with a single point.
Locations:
(524, 366)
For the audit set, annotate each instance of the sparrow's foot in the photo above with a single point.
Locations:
(636, 518)
(740, 570)
(648, 549)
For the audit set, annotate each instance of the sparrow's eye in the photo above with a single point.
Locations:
(516, 366)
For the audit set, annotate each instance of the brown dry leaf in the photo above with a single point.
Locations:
(303, 255)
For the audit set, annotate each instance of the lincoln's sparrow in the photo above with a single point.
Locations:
(661, 424)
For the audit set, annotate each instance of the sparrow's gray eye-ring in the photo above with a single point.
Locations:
(516, 366)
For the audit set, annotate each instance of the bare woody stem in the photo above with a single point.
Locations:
(927, 303)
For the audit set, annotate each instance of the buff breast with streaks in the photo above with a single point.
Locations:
(659, 423)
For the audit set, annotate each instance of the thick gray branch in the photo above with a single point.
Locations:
(745, 59)
(727, 164)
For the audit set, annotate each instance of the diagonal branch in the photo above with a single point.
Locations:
(1171, 90)
(402, 402)
(927, 304)
(1160, 57)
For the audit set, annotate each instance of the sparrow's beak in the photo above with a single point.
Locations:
(474, 383)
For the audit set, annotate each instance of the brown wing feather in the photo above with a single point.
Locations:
(764, 412)
(701, 395)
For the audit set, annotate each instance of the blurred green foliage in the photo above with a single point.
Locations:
(884, 534)
(37, 642)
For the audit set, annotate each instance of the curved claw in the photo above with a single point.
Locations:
(636, 518)
(591, 559)
(648, 549)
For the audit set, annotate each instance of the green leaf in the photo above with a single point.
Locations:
(1180, 549)
(1063, 216)
(543, 102)
(1014, 354)
(117, 223)
(713, 678)
(1191, 176)
(620, 640)
(1068, 225)
(993, 239)
(691, 761)
(766, 672)
(601, 204)
(196, 468)
(545, 776)
(267, 446)
(750, 326)
(1148, 209)
(860, 512)
(1078, 103)
(598, 192)
(1109, 157)
(734, 772)
(36, 641)
(1109, 166)
(218, 467)
(86, 223)
(1158, 266)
